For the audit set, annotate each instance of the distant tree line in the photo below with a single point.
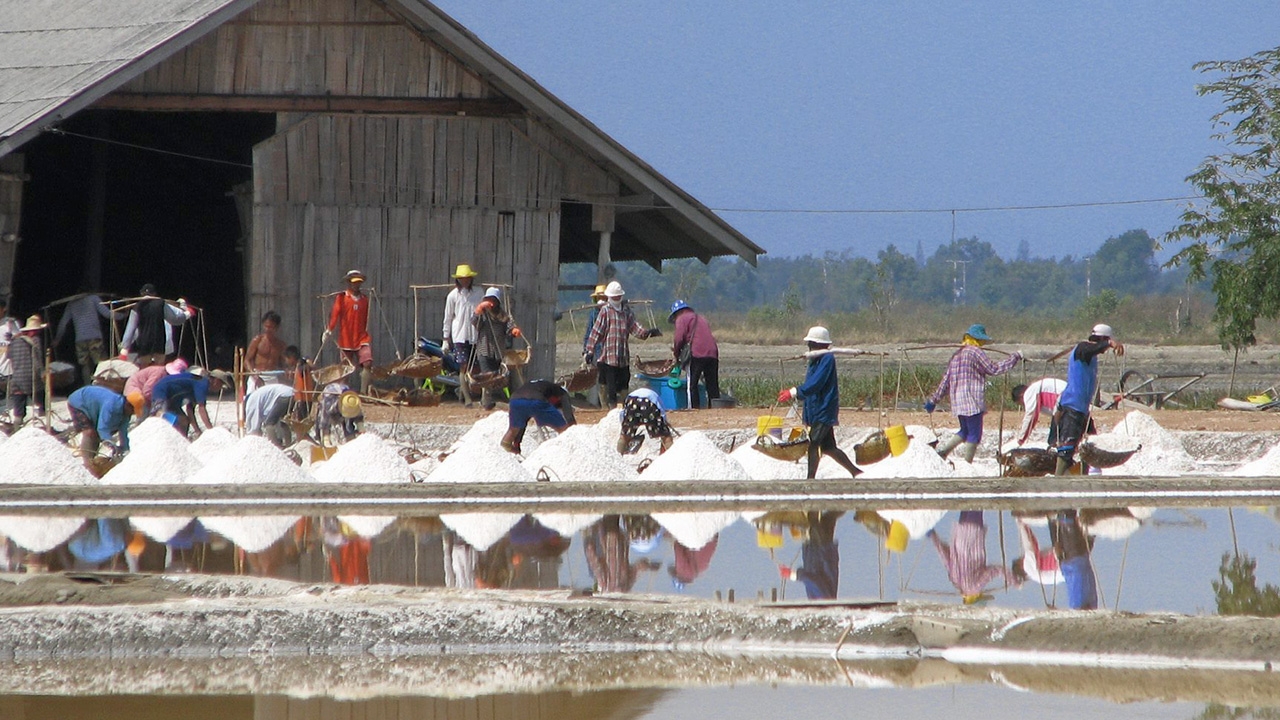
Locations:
(967, 271)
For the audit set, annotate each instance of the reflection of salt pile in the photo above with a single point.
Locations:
(917, 522)
(1265, 466)
(693, 456)
(474, 462)
(577, 455)
(366, 459)
(251, 459)
(210, 442)
(33, 456)
(158, 455)
(1162, 453)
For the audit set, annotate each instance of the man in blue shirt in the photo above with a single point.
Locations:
(176, 396)
(821, 393)
(1076, 399)
(99, 415)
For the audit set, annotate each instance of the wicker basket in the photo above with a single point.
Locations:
(490, 380)
(331, 373)
(873, 449)
(517, 358)
(1029, 462)
(1094, 456)
(581, 380)
(655, 368)
(418, 366)
(789, 451)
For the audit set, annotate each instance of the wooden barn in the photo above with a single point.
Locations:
(245, 154)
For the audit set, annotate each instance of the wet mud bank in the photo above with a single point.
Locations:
(194, 634)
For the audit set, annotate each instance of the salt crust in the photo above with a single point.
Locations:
(251, 459)
(366, 459)
(34, 457)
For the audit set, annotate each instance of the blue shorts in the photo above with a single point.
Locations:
(971, 428)
(522, 410)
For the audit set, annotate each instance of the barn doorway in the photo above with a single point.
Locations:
(116, 199)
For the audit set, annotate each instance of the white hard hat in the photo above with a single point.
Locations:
(1101, 330)
(614, 289)
(818, 334)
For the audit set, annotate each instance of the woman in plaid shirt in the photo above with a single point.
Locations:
(611, 331)
(966, 382)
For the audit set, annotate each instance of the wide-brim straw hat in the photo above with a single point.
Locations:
(598, 293)
(35, 322)
(464, 271)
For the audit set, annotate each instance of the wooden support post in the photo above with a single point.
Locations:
(603, 260)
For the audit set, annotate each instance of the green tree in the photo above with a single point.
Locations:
(1234, 240)
(1126, 264)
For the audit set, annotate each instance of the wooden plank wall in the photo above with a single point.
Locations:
(11, 184)
(332, 193)
(314, 47)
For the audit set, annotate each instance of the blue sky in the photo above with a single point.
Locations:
(812, 106)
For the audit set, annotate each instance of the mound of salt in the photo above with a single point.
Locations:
(1162, 452)
(210, 442)
(579, 455)
(488, 432)
(38, 534)
(423, 468)
(33, 457)
(478, 462)
(251, 459)
(1268, 464)
(161, 457)
(366, 459)
(693, 456)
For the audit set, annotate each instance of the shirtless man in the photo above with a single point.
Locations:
(266, 350)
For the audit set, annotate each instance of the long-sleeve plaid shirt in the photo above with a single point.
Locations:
(611, 330)
(966, 379)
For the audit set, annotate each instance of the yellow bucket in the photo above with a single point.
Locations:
(320, 454)
(769, 537)
(898, 439)
(898, 536)
(767, 424)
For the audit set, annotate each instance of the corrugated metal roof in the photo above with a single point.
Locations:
(57, 56)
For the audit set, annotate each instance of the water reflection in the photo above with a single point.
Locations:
(1111, 559)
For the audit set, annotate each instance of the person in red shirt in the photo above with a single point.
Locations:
(350, 316)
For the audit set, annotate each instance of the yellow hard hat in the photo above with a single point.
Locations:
(349, 404)
(464, 271)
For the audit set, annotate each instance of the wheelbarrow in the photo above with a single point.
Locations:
(1152, 390)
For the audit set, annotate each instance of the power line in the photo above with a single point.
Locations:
(655, 206)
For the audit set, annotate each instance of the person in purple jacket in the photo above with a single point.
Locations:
(693, 338)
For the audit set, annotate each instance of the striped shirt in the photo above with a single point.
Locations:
(82, 314)
(966, 379)
(611, 331)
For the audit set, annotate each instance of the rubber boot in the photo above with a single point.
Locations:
(464, 387)
(945, 447)
(1064, 465)
(366, 380)
(967, 451)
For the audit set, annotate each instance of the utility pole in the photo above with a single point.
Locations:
(1088, 276)
(958, 285)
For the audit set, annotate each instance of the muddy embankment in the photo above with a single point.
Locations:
(196, 635)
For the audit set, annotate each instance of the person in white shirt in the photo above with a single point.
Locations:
(459, 335)
(1040, 396)
(9, 329)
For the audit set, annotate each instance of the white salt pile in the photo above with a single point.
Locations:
(251, 459)
(160, 457)
(38, 534)
(917, 522)
(1162, 452)
(693, 456)
(366, 459)
(210, 442)
(33, 457)
(579, 454)
(762, 467)
(474, 462)
(488, 432)
(1264, 466)
(251, 534)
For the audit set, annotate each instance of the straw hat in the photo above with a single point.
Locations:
(464, 271)
(222, 376)
(34, 323)
(349, 404)
(598, 293)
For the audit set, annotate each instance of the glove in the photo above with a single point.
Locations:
(787, 573)
(324, 336)
(786, 395)
(930, 406)
(190, 310)
(516, 332)
(1017, 355)
(447, 345)
(655, 332)
(124, 355)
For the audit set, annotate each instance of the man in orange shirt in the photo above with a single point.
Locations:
(350, 315)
